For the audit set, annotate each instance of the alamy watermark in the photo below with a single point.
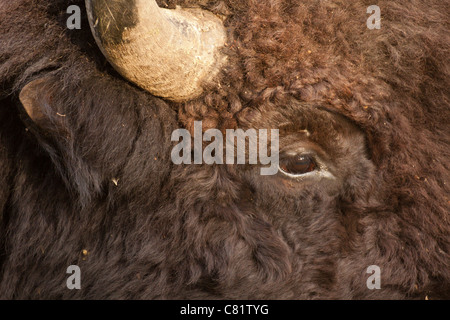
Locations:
(74, 281)
(74, 21)
(236, 140)
(374, 21)
(374, 281)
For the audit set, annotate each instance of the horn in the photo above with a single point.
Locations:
(170, 53)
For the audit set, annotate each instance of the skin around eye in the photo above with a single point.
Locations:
(298, 164)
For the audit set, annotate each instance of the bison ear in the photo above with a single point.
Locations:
(37, 98)
(33, 98)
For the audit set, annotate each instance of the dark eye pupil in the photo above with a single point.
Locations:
(298, 164)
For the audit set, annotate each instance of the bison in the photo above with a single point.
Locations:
(86, 175)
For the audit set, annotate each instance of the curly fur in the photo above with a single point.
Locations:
(168, 231)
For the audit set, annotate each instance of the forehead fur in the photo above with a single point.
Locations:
(323, 52)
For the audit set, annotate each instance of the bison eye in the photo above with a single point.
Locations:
(297, 165)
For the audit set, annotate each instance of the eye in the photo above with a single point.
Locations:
(298, 164)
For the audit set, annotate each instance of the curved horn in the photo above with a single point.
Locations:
(169, 53)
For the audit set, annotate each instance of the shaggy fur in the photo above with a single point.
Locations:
(167, 231)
